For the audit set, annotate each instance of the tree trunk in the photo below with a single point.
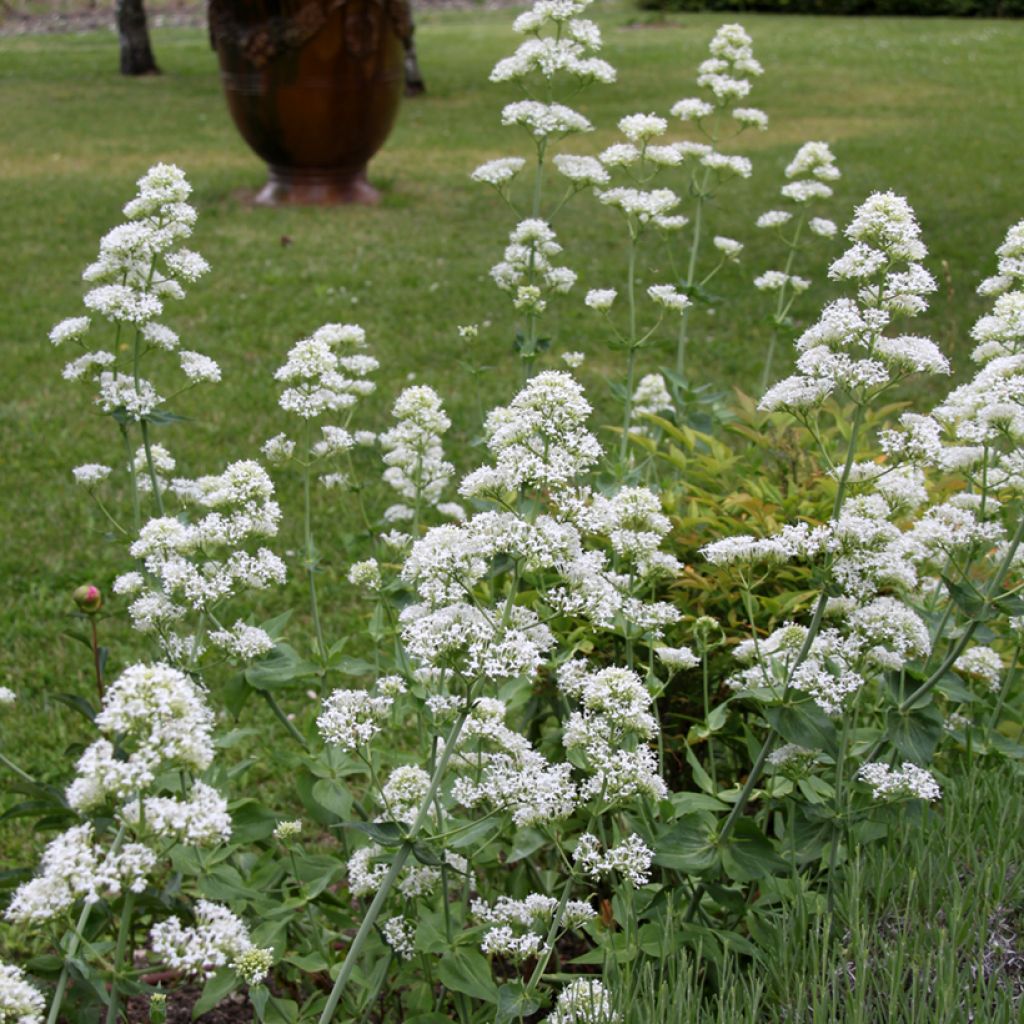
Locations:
(414, 84)
(136, 53)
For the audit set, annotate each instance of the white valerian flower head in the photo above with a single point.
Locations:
(981, 663)
(366, 574)
(581, 170)
(584, 1001)
(631, 858)
(286, 830)
(413, 452)
(822, 227)
(600, 299)
(400, 935)
(351, 718)
(640, 205)
(545, 120)
(91, 473)
(728, 247)
(751, 117)
(651, 395)
(641, 128)
(774, 219)
(670, 297)
(7, 695)
(574, 360)
(217, 939)
(498, 172)
(693, 109)
(813, 159)
(202, 820)
(677, 658)
(243, 641)
(253, 964)
(893, 783)
(20, 1001)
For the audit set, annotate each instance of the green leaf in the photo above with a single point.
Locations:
(527, 841)
(219, 985)
(251, 822)
(689, 845)
(915, 733)
(282, 666)
(468, 971)
(749, 854)
(514, 1002)
(805, 724)
(474, 834)
(235, 693)
(386, 833)
(969, 601)
(79, 704)
(332, 797)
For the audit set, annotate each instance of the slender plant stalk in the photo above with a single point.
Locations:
(96, 658)
(123, 932)
(311, 560)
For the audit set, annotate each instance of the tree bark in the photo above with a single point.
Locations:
(136, 52)
(414, 84)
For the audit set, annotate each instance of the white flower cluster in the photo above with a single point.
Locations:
(526, 271)
(413, 452)
(75, 867)
(631, 858)
(162, 715)
(569, 51)
(981, 663)
(197, 565)
(326, 372)
(847, 349)
(611, 732)
(202, 820)
(217, 939)
(20, 1001)
(351, 718)
(584, 1001)
(500, 768)
(141, 263)
(893, 783)
(517, 927)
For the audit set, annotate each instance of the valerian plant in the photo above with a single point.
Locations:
(486, 807)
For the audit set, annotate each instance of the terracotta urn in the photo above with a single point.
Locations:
(314, 88)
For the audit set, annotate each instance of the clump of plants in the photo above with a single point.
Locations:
(490, 817)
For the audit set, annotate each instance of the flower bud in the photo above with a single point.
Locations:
(88, 598)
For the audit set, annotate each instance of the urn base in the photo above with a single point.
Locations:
(300, 186)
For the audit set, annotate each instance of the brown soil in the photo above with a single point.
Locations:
(236, 1009)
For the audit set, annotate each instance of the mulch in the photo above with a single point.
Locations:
(235, 1009)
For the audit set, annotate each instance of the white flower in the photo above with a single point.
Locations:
(217, 939)
(806, 190)
(631, 858)
(821, 226)
(202, 820)
(545, 119)
(582, 170)
(677, 657)
(692, 109)
(640, 128)
(91, 473)
(20, 1001)
(365, 574)
(908, 780)
(668, 296)
(751, 117)
(351, 718)
(400, 935)
(253, 964)
(198, 367)
(774, 219)
(981, 663)
(600, 299)
(498, 172)
(573, 360)
(69, 330)
(729, 247)
(243, 641)
(584, 1001)
(7, 695)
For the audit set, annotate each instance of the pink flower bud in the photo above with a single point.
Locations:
(88, 598)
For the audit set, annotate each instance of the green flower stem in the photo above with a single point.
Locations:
(631, 357)
(284, 720)
(556, 925)
(311, 559)
(96, 658)
(132, 481)
(153, 480)
(781, 307)
(401, 855)
(123, 932)
(9, 764)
